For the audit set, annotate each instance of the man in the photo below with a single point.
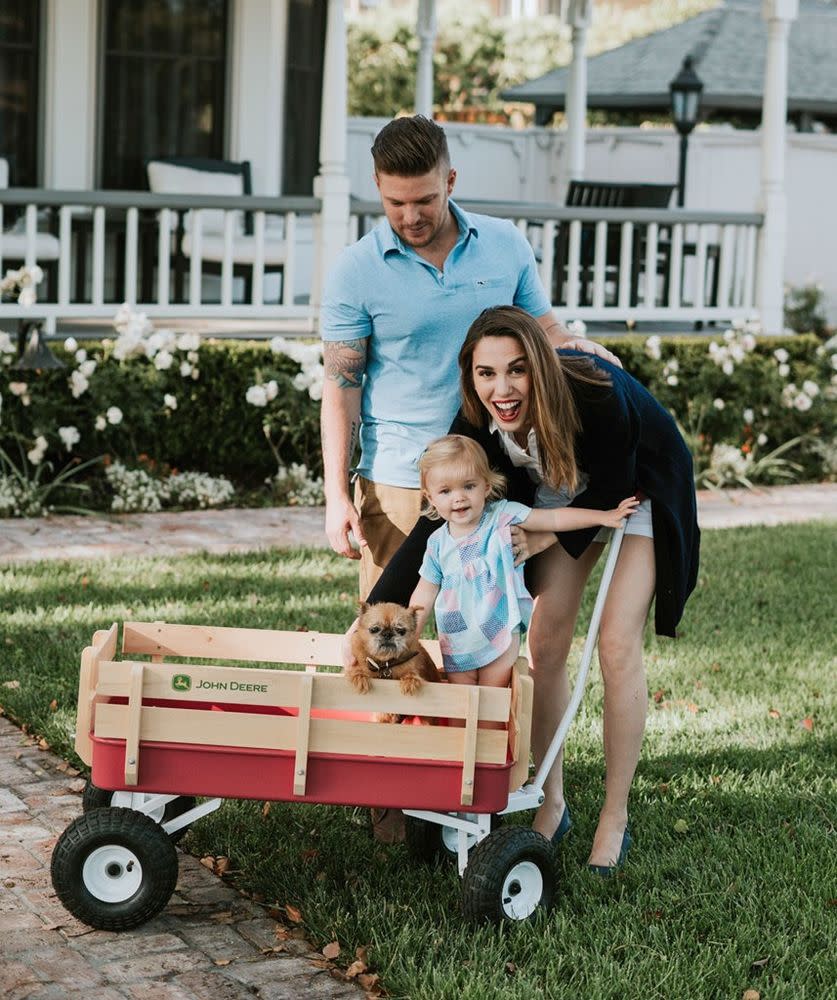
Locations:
(395, 311)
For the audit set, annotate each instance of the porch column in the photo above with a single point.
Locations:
(331, 185)
(426, 31)
(779, 14)
(576, 107)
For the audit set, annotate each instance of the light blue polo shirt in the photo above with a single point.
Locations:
(416, 318)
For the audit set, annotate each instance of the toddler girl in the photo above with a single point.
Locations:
(468, 573)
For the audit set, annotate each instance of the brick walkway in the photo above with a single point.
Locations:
(210, 943)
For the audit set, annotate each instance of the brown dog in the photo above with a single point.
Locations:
(386, 645)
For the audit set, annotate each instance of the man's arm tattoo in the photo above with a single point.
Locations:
(345, 362)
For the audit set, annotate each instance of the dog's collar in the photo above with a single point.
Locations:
(385, 669)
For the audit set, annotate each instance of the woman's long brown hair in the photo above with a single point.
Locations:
(552, 408)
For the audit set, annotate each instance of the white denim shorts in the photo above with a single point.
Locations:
(639, 523)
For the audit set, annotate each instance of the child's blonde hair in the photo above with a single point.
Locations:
(467, 457)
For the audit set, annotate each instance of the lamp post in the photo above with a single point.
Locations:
(685, 90)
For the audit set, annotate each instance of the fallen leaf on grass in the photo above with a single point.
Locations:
(751, 995)
(759, 964)
(361, 953)
(331, 950)
(208, 862)
(43, 745)
(658, 696)
(355, 969)
(265, 809)
(11, 685)
(510, 968)
(221, 865)
(681, 826)
(807, 723)
(369, 980)
(222, 961)
(774, 713)
(293, 914)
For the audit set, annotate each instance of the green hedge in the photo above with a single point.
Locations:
(214, 428)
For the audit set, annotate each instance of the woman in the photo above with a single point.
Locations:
(573, 429)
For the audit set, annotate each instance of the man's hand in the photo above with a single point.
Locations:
(591, 347)
(526, 544)
(342, 518)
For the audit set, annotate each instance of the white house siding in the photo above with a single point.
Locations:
(723, 174)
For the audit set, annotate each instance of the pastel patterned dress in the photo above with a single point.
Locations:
(482, 599)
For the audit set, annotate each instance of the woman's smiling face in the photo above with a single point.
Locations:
(501, 380)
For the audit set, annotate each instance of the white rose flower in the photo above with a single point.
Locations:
(834, 360)
(315, 391)
(87, 367)
(36, 454)
(188, 342)
(727, 367)
(811, 388)
(749, 416)
(279, 345)
(652, 347)
(114, 415)
(163, 361)
(748, 342)
(577, 328)
(762, 440)
(672, 380)
(192, 356)
(195, 374)
(272, 389)
(784, 370)
(36, 274)
(169, 401)
(185, 369)
(781, 355)
(802, 402)
(101, 423)
(27, 297)
(729, 335)
(78, 384)
(71, 345)
(80, 355)
(256, 395)
(18, 388)
(719, 404)
(69, 436)
(738, 324)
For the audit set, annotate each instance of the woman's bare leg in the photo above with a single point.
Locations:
(625, 692)
(558, 584)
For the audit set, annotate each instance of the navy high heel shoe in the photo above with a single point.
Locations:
(564, 826)
(607, 870)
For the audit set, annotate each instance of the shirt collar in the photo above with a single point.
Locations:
(529, 458)
(390, 241)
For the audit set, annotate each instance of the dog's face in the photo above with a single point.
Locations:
(388, 631)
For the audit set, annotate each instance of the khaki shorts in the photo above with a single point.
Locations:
(387, 515)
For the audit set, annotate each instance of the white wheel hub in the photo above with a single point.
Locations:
(450, 839)
(522, 890)
(112, 873)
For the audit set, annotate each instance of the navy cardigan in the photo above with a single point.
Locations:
(628, 442)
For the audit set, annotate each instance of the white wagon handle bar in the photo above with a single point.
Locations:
(584, 667)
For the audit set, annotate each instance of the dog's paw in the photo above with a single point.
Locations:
(410, 684)
(359, 681)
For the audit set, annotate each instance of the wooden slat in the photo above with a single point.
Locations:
(229, 685)
(270, 732)
(469, 751)
(132, 737)
(222, 643)
(523, 722)
(84, 709)
(303, 733)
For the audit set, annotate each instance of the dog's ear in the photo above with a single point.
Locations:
(415, 608)
(362, 607)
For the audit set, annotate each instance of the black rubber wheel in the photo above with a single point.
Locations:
(429, 843)
(114, 868)
(509, 877)
(94, 797)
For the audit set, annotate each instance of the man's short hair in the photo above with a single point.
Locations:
(410, 147)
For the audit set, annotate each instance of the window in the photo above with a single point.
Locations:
(164, 84)
(19, 34)
(303, 94)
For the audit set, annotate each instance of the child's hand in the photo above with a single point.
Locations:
(614, 518)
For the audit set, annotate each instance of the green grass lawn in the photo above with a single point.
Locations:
(740, 746)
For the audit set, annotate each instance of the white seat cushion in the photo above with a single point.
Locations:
(169, 178)
(243, 249)
(13, 246)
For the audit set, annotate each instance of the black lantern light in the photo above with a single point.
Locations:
(33, 350)
(685, 89)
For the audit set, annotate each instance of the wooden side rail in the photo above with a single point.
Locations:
(248, 644)
(103, 647)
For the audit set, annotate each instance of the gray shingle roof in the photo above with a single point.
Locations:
(729, 48)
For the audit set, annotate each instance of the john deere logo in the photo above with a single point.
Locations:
(181, 682)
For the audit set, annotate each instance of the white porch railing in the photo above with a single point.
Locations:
(101, 248)
(632, 264)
